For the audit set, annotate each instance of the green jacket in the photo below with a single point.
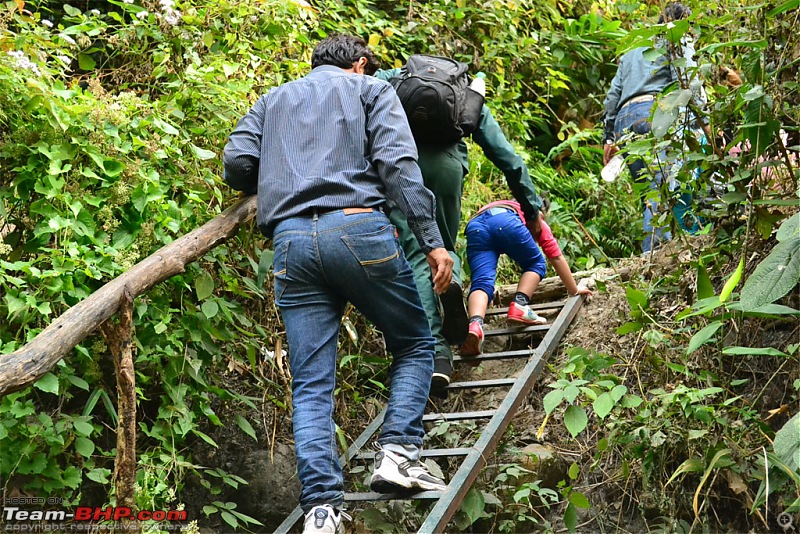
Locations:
(498, 150)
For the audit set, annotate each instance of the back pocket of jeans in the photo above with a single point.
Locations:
(376, 252)
(280, 267)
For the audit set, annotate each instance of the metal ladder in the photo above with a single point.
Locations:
(475, 457)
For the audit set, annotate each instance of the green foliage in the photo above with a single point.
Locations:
(111, 127)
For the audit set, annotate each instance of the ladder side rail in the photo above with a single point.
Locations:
(351, 453)
(459, 485)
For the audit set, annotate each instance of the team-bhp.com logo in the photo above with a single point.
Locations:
(15, 517)
(97, 513)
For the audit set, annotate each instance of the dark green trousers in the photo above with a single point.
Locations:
(443, 173)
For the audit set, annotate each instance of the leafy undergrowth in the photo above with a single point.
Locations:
(638, 426)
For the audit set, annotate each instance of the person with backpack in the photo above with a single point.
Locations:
(442, 111)
(501, 228)
(325, 153)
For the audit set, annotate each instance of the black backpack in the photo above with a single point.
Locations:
(435, 93)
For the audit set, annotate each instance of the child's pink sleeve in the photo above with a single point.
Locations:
(547, 242)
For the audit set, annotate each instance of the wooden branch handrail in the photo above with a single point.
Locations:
(26, 365)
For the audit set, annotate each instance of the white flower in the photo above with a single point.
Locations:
(166, 5)
(172, 17)
(141, 15)
(23, 62)
(67, 38)
(95, 12)
(128, 1)
(47, 23)
(65, 59)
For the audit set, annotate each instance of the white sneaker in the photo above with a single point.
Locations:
(324, 519)
(395, 473)
(518, 313)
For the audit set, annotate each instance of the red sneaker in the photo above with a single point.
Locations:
(474, 344)
(518, 313)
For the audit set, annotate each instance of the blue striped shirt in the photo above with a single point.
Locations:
(330, 140)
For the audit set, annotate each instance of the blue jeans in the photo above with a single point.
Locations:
(321, 262)
(494, 232)
(636, 118)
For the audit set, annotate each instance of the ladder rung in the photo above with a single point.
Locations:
(495, 383)
(458, 416)
(372, 496)
(426, 453)
(524, 353)
(516, 330)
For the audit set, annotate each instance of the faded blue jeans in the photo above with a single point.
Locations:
(636, 118)
(321, 262)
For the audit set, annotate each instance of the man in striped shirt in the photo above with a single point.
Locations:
(327, 155)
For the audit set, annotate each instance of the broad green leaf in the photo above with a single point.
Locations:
(575, 419)
(603, 405)
(552, 400)
(775, 276)
(636, 298)
(765, 310)
(618, 391)
(747, 351)
(473, 505)
(99, 475)
(48, 383)
(264, 264)
(201, 153)
(205, 437)
(787, 442)
(579, 499)
(789, 228)
(210, 308)
(204, 286)
(630, 326)
(574, 470)
(165, 127)
(703, 336)
(86, 62)
(82, 428)
(732, 282)
(84, 446)
(246, 427)
(571, 517)
(704, 287)
(784, 7)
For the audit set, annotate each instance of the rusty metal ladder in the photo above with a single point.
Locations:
(475, 457)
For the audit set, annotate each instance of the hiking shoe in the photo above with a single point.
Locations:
(518, 313)
(473, 346)
(395, 473)
(324, 519)
(455, 320)
(442, 371)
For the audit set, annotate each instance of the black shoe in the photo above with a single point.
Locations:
(442, 371)
(455, 321)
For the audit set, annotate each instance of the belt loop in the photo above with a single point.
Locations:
(316, 215)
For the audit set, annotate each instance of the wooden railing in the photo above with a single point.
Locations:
(26, 365)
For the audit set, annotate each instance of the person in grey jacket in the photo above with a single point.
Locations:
(629, 104)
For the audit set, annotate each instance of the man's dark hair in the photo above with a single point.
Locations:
(674, 11)
(342, 51)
